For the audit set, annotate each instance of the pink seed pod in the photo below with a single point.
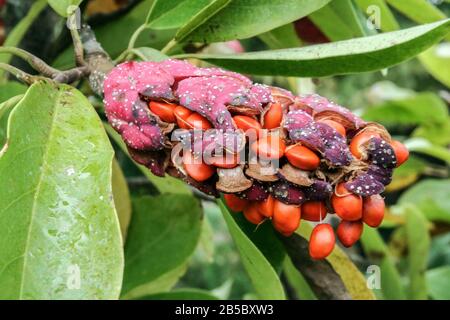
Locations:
(139, 95)
(287, 193)
(318, 136)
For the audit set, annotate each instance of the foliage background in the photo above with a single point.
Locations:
(178, 246)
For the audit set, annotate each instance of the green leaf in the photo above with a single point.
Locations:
(241, 19)
(182, 294)
(422, 108)
(5, 110)
(350, 56)
(163, 234)
(420, 11)
(200, 19)
(165, 184)
(406, 174)
(149, 54)
(418, 246)
(62, 6)
(424, 146)
(125, 26)
(297, 282)
(432, 197)
(377, 251)
(387, 18)
(18, 32)
(172, 14)
(437, 62)
(58, 227)
(339, 21)
(438, 281)
(281, 38)
(265, 280)
(352, 278)
(11, 89)
(121, 196)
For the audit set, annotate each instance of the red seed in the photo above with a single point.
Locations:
(226, 162)
(322, 241)
(269, 147)
(273, 116)
(182, 113)
(196, 121)
(252, 214)
(401, 152)
(373, 210)
(359, 140)
(265, 207)
(349, 232)
(197, 169)
(336, 126)
(235, 203)
(314, 210)
(286, 218)
(302, 157)
(246, 123)
(347, 205)
(164, 111)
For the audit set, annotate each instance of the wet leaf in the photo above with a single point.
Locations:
(155, 251)
(58, 227)
(265, 280)
(350, 56)
(121, 196)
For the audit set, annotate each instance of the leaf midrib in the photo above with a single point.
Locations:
(38, 189)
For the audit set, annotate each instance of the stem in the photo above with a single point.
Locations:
(78, 47)
(19, 74)
(135, 36)
(169, 46)
(35, 62)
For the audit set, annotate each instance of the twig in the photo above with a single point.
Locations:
(19, 74)
(169, 46)
(319, 274)
(35, 62)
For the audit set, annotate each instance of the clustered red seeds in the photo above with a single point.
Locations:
(272, 154)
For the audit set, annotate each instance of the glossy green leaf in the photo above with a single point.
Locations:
(149, 54)
(165, 184)
(59, 231)
(265, 280)
(438, 281)
(5, 110)
(349, 56)
(352, 278)
(422, 108)
(418, 246)
(377, 251)
(339, 21)
(163, 234)
(432, 197)
(241, 19)
(436, 133)
(18, 32)
(424, 146)
(62, 7)
(11, 89)
(182, 294)
(172, 14)
(297, 282)
(406, 174)
(125, 26)
(437, 62)
(381, 9)
(281, 38)
(420, 11)
(121, 196)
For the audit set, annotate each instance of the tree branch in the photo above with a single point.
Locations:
(319, 274)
